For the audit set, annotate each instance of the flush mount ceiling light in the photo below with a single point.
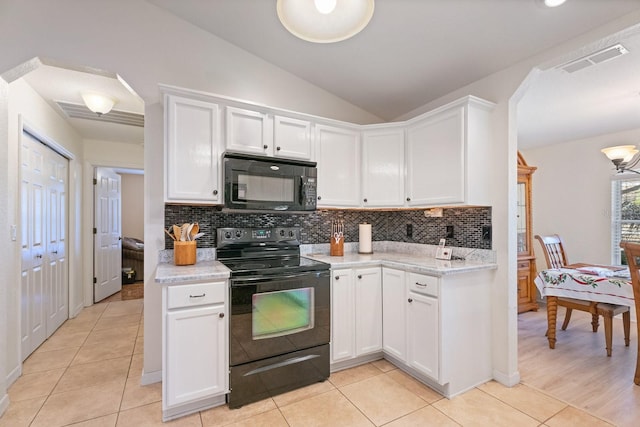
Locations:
(98, 103)
(622, 157)
(325, 21)
(553, 3)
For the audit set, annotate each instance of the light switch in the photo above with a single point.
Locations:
(14, 233)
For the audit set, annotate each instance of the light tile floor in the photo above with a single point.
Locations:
(88, 374)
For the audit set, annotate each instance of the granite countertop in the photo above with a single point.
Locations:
(404, 261)
(168, 273)
(408, 257)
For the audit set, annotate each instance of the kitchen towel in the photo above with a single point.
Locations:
(364, 240)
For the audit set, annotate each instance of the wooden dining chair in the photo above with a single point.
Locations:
(632, 251)
(556, 257)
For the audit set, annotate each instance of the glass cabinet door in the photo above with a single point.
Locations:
(521, 212)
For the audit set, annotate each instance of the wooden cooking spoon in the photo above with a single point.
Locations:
(194, 230)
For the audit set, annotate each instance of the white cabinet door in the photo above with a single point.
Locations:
(196, 360)
(338, 157)
(342, 315)
(192, 153)
(368, 309)
(394, 302)
(423, 334)
(292, 138)
(383, 168)
(436, 159)
(247, 131)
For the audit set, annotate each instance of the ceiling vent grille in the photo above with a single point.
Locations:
(79, 111)
(598, 57)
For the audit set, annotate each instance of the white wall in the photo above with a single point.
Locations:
(147, 46)
(132, 205)
(571, 194)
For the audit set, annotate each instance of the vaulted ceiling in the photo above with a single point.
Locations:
(414, 51)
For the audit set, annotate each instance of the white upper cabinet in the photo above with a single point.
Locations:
(255, 132)
(338, 157)
(192, 153)
(292, 138)
(436, 159)
(447, 155)
(383, 167)
(247, 131)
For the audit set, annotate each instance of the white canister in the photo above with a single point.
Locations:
(364, 239)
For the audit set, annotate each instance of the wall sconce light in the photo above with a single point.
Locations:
(324, 21)
(98, 103)
(622, 157)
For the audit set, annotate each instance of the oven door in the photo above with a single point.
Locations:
(271, 316)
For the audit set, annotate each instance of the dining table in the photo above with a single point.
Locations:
(607, 284)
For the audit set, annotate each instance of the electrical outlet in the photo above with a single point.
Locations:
(486, 232)
(409, 230)
(449, 232)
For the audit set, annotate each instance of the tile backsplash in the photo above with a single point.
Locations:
(315, 226)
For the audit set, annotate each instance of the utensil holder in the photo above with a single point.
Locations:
(337, 247)
(184, 253)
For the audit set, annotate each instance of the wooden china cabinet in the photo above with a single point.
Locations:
(526, 256)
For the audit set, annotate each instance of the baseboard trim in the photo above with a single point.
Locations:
(4, 403)
(14, 374)
(505, 379)
(151, 377)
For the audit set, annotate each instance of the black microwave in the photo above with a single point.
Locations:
(264, 183)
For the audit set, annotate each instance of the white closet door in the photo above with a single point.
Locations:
(57, 265)
(44, 271)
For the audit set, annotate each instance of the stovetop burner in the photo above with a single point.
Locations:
(263, 252)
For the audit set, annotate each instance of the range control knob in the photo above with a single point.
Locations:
(238, 233)
(291, 233)
(227, 235)
(282, 233)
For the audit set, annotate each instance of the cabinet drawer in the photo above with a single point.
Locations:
(422, 284)
(196, 294)
(523, 264)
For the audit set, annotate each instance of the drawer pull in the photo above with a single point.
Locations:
(421, 284)
(197, 296)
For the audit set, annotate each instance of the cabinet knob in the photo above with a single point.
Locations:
(265, 146)
(337, 277)
(277, 148)
(408, 199)
(410, 300)
(221, 315)
(359, 276)
(215, 192)
(365, 200)
(319, 198)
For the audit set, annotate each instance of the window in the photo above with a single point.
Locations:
(625, 218)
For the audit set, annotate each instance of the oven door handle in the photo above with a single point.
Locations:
(253, 280)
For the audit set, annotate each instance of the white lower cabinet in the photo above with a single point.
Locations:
(394, 308)
(439, 328)
(195, 347)
(423, 334)
(356, 313)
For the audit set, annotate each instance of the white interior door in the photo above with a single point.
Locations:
(44, 270)
(58, 277)
(107, 264)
